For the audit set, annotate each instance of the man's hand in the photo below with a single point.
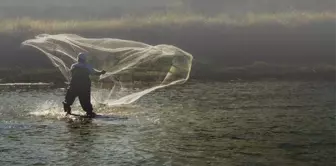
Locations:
(103, 72)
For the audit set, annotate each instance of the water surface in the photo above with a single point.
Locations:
(199, 123)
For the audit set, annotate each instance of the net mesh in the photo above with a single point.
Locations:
(134, 69)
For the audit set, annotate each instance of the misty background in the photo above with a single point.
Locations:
(221, 51)
(99, 9)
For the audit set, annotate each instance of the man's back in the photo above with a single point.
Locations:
(80, 76)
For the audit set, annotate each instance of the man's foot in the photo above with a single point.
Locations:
(66, 108)
(91, 115)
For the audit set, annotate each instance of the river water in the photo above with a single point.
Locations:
(196, 124)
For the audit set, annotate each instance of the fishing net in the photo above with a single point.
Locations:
(134, 69)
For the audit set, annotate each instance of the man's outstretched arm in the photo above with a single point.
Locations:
(96, 72)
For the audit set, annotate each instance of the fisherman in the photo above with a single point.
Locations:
(80, 85)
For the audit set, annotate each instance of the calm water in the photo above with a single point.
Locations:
(210, 123)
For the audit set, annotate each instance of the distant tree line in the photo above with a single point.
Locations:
(72, 9)
(236, 6)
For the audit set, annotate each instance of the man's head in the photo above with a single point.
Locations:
(82, 57)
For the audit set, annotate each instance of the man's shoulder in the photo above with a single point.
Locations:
(78, 65)
(81, 66)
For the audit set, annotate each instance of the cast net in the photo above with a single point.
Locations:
(134, 69)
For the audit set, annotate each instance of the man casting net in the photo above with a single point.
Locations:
(133, 69)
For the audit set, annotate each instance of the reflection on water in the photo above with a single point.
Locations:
(79, 146)
(246, 123)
